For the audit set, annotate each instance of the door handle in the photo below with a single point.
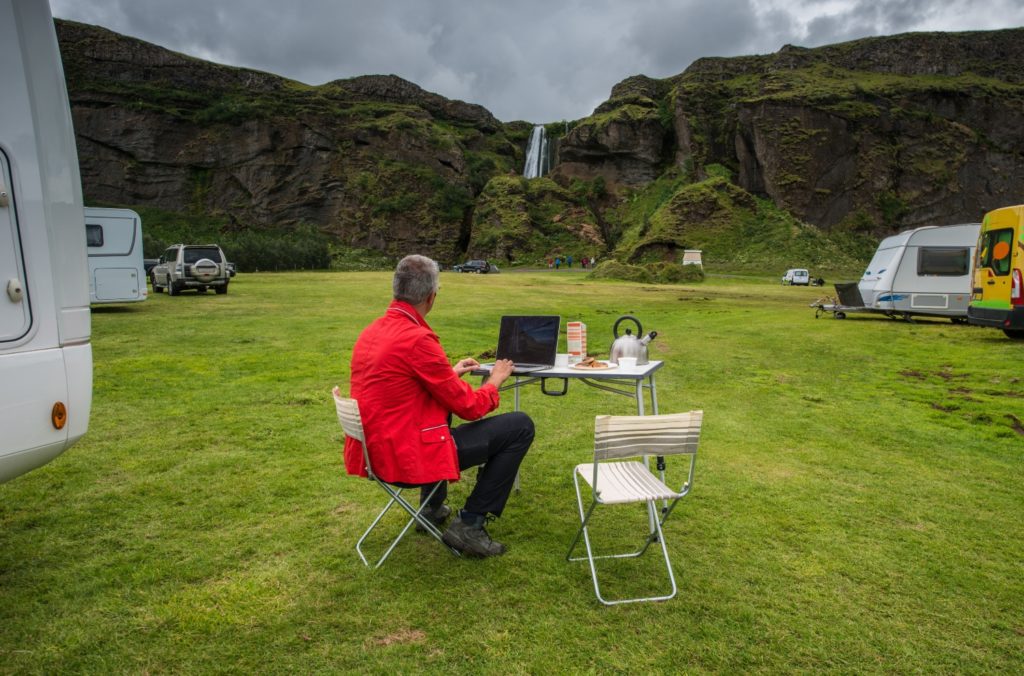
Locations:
(15, 291)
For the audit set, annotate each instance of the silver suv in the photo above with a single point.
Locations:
(191, 266)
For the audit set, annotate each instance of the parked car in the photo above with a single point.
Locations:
(149, 264)
(191, 266)
(475, 265)
(797, 277)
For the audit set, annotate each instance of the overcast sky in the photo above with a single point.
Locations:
(536, 60)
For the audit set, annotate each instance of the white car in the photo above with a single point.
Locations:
(797, 277)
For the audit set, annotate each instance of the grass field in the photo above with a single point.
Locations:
(858, 503)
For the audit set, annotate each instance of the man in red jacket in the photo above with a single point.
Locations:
(407, 392)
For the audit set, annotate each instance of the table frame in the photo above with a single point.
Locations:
(619, 380)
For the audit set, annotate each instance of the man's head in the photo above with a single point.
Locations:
(415, 280)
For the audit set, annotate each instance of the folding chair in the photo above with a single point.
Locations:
(611, 483)
(352, 424)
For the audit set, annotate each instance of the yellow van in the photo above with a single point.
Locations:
(997, 297)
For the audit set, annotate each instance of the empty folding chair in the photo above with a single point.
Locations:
(351, 423)
(615, 481)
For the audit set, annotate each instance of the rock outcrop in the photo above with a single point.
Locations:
(877, 134)
(375, 161)
(625, 141)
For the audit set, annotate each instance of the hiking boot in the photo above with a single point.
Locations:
(471, 538)
(435, 515)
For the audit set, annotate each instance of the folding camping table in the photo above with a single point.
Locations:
(628, 382)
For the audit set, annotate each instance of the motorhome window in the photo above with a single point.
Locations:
(944, 261)
(994, 250)
(194, 254)
(93, 235)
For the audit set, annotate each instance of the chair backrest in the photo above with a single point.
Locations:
(348, 416)
(624, 436)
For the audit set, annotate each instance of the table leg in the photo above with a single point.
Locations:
(515, 399)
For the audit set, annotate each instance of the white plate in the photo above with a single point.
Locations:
(606, 367)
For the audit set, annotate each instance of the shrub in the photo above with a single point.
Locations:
(674, 273)
(615, 270)
(656, 273)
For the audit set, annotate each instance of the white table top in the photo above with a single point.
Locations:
(614, 373)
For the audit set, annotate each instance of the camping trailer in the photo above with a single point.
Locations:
(45, 355)
(924, 271)
(117, 270)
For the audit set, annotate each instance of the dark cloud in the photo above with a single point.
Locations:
(530, 59)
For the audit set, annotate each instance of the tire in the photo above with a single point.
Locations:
(1014, 334)
(840, 315)
(205, 270)
(172, 288)
(221, 290)
(156, 288)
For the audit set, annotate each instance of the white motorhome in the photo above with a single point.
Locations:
(117, 272)
(45, 355)
(924, 271)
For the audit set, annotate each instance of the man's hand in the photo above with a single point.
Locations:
(465, 366)
(500, 372)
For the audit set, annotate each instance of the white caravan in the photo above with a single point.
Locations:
(45, 355)
(924, 271)
(117, 272)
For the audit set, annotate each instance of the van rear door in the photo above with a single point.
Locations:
(993, 275)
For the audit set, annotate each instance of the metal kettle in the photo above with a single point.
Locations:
(628, 345)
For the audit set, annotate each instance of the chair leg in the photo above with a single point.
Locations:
(658, 535)
(415, 517)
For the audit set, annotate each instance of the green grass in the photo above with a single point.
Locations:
(858, 504)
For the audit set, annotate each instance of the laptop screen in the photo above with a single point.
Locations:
(529, 340)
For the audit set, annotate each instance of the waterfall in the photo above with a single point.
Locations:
(537, 161)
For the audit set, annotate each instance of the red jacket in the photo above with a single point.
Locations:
(406, 388)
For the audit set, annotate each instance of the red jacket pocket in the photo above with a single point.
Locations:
(437, 434)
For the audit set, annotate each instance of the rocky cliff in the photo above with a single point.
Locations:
(877, 134)
(375, 161)
(869, 136)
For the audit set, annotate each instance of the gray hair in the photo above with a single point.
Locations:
(415, 279)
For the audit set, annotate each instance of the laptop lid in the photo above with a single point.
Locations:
(531, 342)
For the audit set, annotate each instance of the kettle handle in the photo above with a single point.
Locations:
(615, 329)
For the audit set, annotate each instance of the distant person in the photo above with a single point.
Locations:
(551, 263)
(569, 260)
(558, 262)
(407, 392)
(583, 262)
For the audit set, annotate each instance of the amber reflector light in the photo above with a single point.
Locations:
(59, 415)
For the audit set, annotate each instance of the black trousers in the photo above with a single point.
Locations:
(499, 443)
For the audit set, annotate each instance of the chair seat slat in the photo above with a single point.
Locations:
(621, 482)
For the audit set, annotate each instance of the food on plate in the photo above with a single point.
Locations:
(591, 363)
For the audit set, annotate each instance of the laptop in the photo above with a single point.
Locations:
(531, 342)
